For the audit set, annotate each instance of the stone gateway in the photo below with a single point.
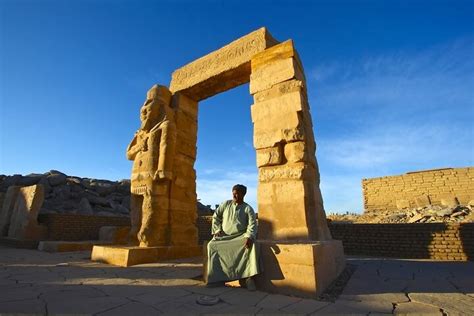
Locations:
(293, 233)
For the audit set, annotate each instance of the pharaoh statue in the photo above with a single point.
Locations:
(152, 150)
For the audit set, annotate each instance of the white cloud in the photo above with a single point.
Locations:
(390, 114)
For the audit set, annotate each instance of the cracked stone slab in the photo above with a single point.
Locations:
(158, 295)
(353, 307)
(33, 306)
(132, 308)
(455, 303)
(243, 297)
(81, 305)
(427, 285)
(187, 305)
(239, 310)
(277, 301)
(203, 290)
(416, 309)
(305, 306)
(19, 294)
(382, 297)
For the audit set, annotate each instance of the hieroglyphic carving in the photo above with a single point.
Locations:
(221, 70)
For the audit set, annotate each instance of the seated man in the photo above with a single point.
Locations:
(232, 254)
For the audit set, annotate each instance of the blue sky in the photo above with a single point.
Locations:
(390, 85)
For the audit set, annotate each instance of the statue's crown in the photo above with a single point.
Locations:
(159, 91)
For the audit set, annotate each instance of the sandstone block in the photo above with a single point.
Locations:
(296, 152)
(186, 125)
(7, 209)
(184, 235)
(186, 147)
(298, 171)
(449, 200)
(221, 70)
(266, 135)
(273, 54)
(183, 205)
(280, 89)
(114, 234)
(284, 265)
(290, 210)
(278, 107)
(271, 74)
(422, 201)
(23, 223)
(185, 104)
(270, 156)
(129, 256)
(401, 204)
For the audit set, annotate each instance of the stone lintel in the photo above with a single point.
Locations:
(222, 69)
(284, 264)
(130, 256)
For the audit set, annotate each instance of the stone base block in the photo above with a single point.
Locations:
(128, 256)
(65, 246)
(302, 269)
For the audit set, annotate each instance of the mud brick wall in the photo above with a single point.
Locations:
(424, 241)
(436, 241)
(73, 227)
(204, 224)
(429, 186)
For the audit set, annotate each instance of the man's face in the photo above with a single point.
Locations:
(237, 196)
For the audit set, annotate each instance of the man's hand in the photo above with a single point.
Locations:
(219, 234)
(248, 242)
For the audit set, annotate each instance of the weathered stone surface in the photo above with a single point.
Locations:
(402, 204)
(422, 201)
(129, 256)
(285, 104)
(270, 156)
(280, 214)
(114, 234)
(152, 150)
(284, 264)
(23, 222)
(279, 71)
(296, 152)
(7, 209)
(451, 303)
(185, 104)
(297, 171)
(221, 70)
(449, 200)
(279, 90)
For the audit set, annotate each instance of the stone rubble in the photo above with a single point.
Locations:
(427, 214)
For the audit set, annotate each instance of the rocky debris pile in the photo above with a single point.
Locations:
(74, 195)
(427, 214)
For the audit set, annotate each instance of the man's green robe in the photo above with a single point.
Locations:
(228, 259)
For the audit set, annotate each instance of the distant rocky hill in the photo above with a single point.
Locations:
(74, 195)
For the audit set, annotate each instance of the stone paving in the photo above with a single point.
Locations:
(34, 282)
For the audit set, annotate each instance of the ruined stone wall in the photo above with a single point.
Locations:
(417, 189)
